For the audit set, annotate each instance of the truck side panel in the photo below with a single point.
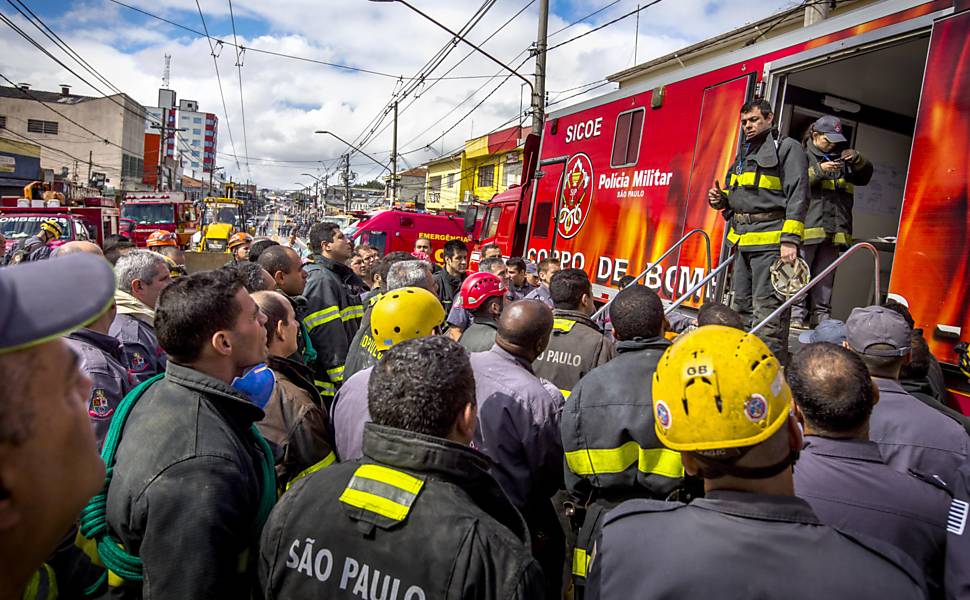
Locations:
(932, 266)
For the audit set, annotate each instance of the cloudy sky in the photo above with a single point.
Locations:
(384, 44)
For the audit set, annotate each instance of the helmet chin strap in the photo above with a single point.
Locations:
(712, 468)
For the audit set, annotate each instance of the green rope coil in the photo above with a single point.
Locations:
(94, 518)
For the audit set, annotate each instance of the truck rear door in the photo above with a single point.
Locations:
(932, 264)
(542, 235)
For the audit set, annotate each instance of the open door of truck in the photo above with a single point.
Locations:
(932, 266)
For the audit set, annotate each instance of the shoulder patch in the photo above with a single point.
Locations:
(635, 507)
(98, 406)
(956, 519)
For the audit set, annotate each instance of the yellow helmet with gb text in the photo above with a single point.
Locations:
(717, 388)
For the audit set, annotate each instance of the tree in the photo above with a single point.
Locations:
(374, 184)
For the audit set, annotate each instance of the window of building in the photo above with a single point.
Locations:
(195, 153)
(513, 173)
(196, 132)
(3, 122)
(450, 180)
(195, 165)
(197, 120)
(626, 139)
(132, 166)
(486, 176)
(38, 126)
(208, 143)
(196, 143)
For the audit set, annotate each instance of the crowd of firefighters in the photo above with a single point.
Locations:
(337, 423)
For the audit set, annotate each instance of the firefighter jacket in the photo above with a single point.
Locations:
(743, 545)
(417, 517)
(332, 317)
(851, 488)
(612, 451)
(480, 337)
(185, 489)
(767, 192)
(134, 325)
(831, 197)
(102, 359)
(448, 287)
(576, 347)
(296, 421)
(363, 352)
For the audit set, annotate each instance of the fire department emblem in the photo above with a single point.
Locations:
(577, 195)
(98, 407)
(137, 362)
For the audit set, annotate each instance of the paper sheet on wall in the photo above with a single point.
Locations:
(884, 194)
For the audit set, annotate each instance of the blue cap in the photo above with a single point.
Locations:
(43, 300)
(877, 325)
(830, 127)
(829, 330)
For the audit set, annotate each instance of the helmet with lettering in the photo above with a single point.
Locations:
(718, 388)
(404, 314)
(53, 227)
(239, 239)
(161, 238)
(479, 287)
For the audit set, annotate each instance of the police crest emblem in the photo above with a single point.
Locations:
(98, 406)
(137, 362)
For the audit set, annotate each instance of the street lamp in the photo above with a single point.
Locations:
(459, 36)
(347, 179)
(316, 184)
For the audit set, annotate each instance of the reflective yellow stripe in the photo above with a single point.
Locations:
(840, 184)
(813, 233)
(793, 227)
(656, 461)
(391, 477)
(842, 238)
(325, 387)
(360, 492)
(564, 325)
(565, 393)
(375, 504)
(355, 311)
(580, 562)
(765, 238)
(336, 374)
(331, 313)
(323, 464)
(42, 585)
(768, 182)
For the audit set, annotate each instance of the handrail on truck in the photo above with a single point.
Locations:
(651, 265)
(801, 293)
(720, 268)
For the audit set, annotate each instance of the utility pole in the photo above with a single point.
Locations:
(346, 178)
(164, 130)
(394, 159)
(539, 92)
(90, 164)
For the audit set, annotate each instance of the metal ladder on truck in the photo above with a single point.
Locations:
(598, 315)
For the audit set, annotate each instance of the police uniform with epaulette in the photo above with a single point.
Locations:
(417, 518)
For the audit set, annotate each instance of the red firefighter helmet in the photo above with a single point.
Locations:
(239, 239)
(161, 238)
(479, 287)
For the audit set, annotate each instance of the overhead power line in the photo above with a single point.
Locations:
(604, 25)
(277, 54)
(222, 95)
(242, 106)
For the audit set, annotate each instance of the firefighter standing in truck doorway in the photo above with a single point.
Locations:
(833, 172)
(765, 201)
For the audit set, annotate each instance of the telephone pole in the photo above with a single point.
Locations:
(539, 91)
(394, 159)
(346, 178)
(163, 132)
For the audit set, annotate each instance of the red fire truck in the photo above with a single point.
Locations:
(168, 211)
(88, 219)
(398, 230)
(619, 179)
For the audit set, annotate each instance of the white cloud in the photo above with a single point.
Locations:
(286, 100)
